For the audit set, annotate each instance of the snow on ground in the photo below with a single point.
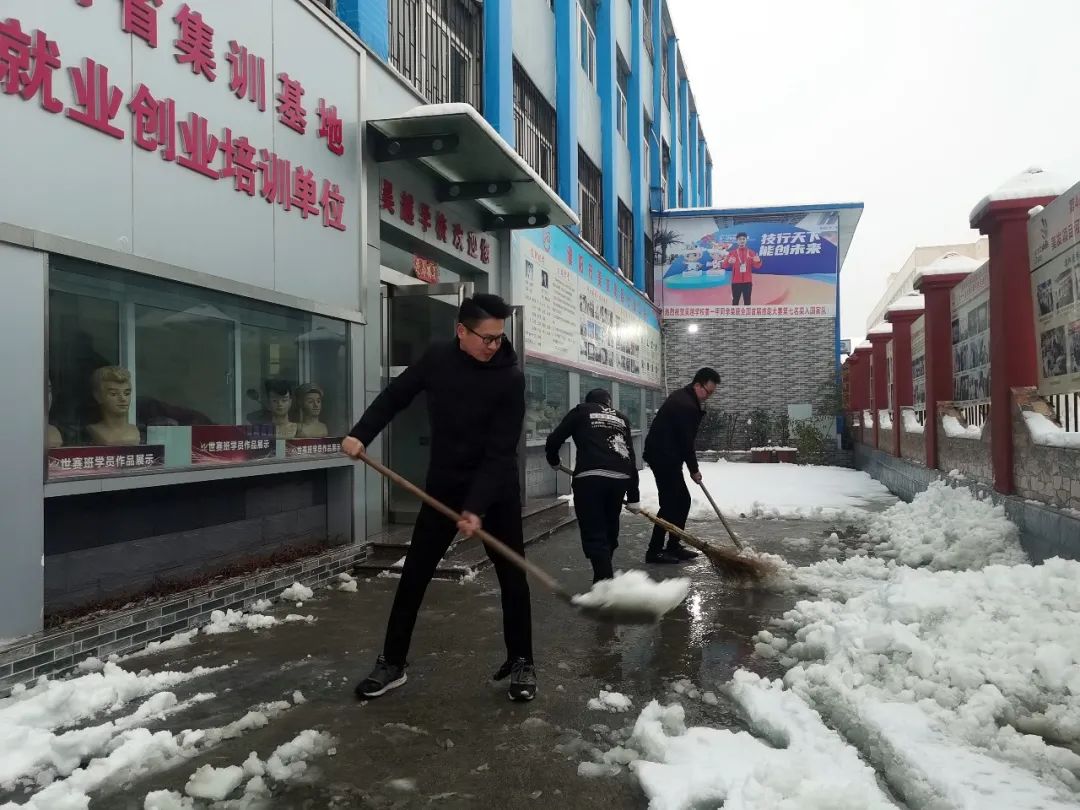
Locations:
(346, 583)
(775, 491)
(635, 591)
(610, 702)
(957, 680)
(297, 592)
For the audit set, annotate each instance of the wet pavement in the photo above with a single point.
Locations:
(449, 733)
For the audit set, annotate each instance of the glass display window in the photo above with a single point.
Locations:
(547, 398)
(146, 373)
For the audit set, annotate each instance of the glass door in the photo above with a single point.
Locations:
(414, 317)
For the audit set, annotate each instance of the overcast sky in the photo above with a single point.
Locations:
(917, 108)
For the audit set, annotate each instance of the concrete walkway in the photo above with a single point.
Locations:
(452, 734)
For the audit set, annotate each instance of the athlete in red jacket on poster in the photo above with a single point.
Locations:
(743, 261)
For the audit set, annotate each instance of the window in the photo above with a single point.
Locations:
(646, 126)
(588, 384)
(665, 167)
(626, 241)
(535, 127)
(653, 400)
(682, 197)
(547, 398)
(590, 202)
(146, 373)
(664, 78)
(586, 46)
(646, 18)
(437, 45)
(650, 267)
(623, 79)
(630, 405)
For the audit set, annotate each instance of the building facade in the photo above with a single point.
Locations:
(902, 281)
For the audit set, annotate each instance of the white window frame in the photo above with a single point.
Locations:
(620, 113)
(586, 47)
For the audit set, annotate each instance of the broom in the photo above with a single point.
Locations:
(726, 563)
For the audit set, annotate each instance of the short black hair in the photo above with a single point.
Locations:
(741, 233)
(706, 375)
(283, 388)
(598, 396)
(482, 307)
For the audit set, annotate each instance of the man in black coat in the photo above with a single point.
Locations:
(605, 475)
(668, 445)
(476, 408)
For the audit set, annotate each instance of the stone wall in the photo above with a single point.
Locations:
(765, 363)
(1047, 474)
(1044, 531)
(971, 457)
(885, 439)
(913, 446)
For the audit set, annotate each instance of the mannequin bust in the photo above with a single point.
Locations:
(111, 387)
(309, 399)
(279, 403)
(53, 439)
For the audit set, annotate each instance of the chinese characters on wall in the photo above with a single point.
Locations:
(32, 69)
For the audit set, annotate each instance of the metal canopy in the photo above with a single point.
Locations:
(470, 162)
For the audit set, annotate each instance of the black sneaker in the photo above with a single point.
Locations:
(383, 678)
(504, 671)
(522, 680)
(681, 553)
(660, 558)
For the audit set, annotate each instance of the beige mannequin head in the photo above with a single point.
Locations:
(111, 386)
(310, 399)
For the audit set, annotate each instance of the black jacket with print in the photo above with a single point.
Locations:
(604, 443)
(476, 412)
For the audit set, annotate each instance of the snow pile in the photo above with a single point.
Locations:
(346, 583)
(794, 762)
(868, 419)
(610, 702)
(955, 430)
(1046, 433)
(947, 675)
(228, 621)
(911, 422)
(635, 591)
(213, 783)
(775, 491)
(297, 592)
(885, 419)
(262, 606)
(946, 528)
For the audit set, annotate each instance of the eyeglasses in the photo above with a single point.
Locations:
(488, 340)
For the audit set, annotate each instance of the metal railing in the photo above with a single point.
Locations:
(975, 412)
(534, 127)
(1067, 408)
(438, 45)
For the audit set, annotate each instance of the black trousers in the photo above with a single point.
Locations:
(431, 538)
(598, 503)
(741, 291)
(674, 503)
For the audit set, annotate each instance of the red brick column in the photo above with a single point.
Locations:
(903, 385)
(1013, 352)
(939, 367)
(861, 387)
(879, 396)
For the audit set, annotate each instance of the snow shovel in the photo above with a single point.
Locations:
(724, 562)
(608, 613)
(719, 514)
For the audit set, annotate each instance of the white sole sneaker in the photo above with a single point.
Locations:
(392, 685)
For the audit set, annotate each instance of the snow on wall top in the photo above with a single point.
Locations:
(908, 303)
(883, 328)
(1032, 182)
(949, 263)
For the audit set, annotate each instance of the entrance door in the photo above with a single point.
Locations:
(414, 316)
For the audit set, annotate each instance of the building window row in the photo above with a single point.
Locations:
(590, 202)
(535, 127)
(626, 240)
(587, 42)
(438, 46)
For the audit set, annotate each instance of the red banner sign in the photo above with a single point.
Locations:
(217, 444)
(69, 462)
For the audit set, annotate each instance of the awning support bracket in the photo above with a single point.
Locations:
(515, 222)
(387, 149)
(473, 190)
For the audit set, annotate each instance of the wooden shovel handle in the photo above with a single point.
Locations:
(492, 542)
(719, 514)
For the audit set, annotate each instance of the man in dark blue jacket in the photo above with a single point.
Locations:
(476, 408)
(605, 475)
(668, 446)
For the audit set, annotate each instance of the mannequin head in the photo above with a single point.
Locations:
(111, 387)
(309, 397)
(278, 398)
